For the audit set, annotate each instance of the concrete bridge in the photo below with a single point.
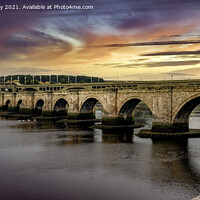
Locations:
(170, 102)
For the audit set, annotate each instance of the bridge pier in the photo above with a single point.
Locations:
(169, 127)
(117, 121)
(80, 116)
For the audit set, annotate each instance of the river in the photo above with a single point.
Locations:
(44, 161)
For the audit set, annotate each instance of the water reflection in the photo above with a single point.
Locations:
(45, 160)
(174, 165)
(72, 135)
(117, 138)
(75, 139)
(29, 126)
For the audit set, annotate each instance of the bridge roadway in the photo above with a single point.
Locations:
(170, 102)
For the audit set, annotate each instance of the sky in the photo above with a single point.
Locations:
(116, 40)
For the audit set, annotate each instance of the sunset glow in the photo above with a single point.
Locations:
(102, 42)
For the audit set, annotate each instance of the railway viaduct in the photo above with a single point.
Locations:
(170, 102)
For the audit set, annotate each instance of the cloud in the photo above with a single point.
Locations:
(183, 73)
(28, 70)
(149, 43)
(178, 74)
(133, 20)
(33, 44)
(48, 39)
(125, 66)
(157, 64)
(171, 53)
(187, 35)
(172, 63)
(107, 64)
(158, 76)
(33, 38)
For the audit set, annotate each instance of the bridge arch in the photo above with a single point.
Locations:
(61, 107)
(185, 108)
(6, 105)
(18, 105)
(88, 105)
(29, 90)
(61, 104)
(38, 106)
(129, 105)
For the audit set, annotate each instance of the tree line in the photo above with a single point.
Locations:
(52, 79)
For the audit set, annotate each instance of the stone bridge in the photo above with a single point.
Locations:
(170, 102)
